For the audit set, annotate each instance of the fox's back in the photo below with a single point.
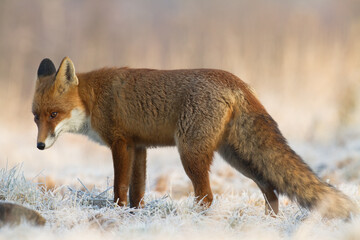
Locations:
(147, 103)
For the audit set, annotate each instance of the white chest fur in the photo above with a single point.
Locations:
(88, 131)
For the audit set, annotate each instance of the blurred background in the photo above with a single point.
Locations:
(302, 57)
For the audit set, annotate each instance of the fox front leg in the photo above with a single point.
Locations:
(138, 178)
(122, 160)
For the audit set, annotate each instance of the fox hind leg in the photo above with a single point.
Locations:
(199, 131)
(197, 168)
(249, 170)
(271, 200)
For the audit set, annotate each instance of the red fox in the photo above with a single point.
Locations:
(199, 111)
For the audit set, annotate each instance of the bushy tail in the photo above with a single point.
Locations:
(259, 151)
(335, 204)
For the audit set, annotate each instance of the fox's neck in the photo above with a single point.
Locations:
(86, 91)
(91, 84)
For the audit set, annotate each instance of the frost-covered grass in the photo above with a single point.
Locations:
(76, 200)
(86, 213)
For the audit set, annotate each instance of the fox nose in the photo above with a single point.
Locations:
(41, 145)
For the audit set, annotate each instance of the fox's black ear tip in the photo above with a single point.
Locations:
(46, 68)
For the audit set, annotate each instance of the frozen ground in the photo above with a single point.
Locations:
(237, 212)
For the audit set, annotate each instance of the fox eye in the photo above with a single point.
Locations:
(36, 117)
(53, 115)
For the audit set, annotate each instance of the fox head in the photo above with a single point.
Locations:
(57, 106)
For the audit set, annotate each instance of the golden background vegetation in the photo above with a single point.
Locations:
(301, 57)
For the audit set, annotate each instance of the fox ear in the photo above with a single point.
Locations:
(46, 68)
(65, 76)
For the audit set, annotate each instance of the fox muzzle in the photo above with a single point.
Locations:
(41, 145)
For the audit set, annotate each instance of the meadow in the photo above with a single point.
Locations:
(301, 57)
